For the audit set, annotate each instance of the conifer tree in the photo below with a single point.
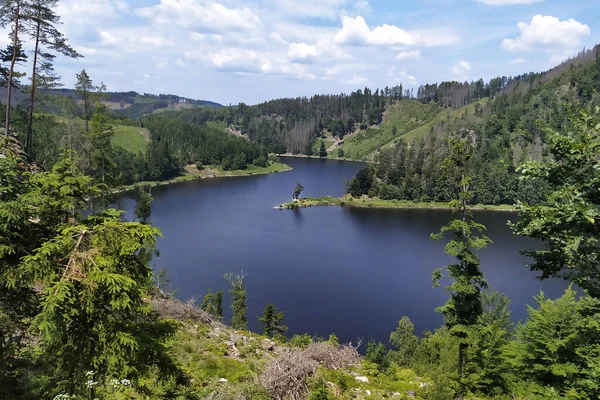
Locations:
(238, 300)
(13, 13)
(272, 320)
(322, 150)
(42, 29)
(101, 137)
(89, 94)
(464, 306)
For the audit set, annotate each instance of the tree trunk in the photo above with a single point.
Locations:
(12, 66)
(29, 141)
(85, 110)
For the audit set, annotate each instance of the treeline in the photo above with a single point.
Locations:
(505, 132)
(175, 143)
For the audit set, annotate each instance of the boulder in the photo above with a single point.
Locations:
(368, 392)
(410, 393)
(223, 380)
(361, 378)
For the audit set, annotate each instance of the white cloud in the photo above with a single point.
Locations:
(162, 65)
(356, 80)
(508, 2)
(296, 71)
(406, 55)
(401, 77)
(465, 65)
(461, 69)
(212, 17)
(276, 37)
(180, 63)
(518, 60)
(302, 51)
(322, 9)
(547, 31)
(355, 31)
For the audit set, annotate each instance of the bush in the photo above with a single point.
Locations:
(390, 192)
(301, 341)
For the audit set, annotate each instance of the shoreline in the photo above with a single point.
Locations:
(216, 172)
(329, 201)
(324, 158)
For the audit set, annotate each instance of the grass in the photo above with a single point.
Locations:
(379, 203)
(404, 116)
(131, 138)
(447, 115)
(317, 145)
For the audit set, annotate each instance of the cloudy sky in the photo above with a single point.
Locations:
(254, 50)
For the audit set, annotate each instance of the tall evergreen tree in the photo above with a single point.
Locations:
(89, 94)
(13, 13)
(42, 29)
(464, 306)
(238, 300)
(101, 137)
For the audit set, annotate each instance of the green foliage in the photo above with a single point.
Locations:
(322, 150)
(376, 353)
(361, 184)
(238, 301)
(92, 280)
(486, 369)
(404, 342)
(272, 320)
(301, 341)
(318, 390)
(559, 346)
(297, 191)
(569, 222)
(101, 136)
(213, 303)
(143, 207)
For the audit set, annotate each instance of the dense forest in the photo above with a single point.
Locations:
(507, 130)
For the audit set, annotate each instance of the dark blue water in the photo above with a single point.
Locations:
(354, 272)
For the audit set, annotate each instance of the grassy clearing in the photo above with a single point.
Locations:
(317, 145)
(379, 203)
(209, 171)
(131, 138)
(399, 119)
(447, 115)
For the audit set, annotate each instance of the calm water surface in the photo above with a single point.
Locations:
(354, 272)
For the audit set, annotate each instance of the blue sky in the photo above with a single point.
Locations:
(231, 51)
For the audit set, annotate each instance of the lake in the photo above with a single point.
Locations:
(354, 272)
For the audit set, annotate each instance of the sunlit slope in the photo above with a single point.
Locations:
(404, 116)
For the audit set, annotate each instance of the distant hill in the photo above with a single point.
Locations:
(128, 104)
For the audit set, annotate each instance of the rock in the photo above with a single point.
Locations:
(232, 350)
(368, 392)
(396, 394)
(362, 379)
(410, 393)
(268, 344)
(223, 380)
(423, 385)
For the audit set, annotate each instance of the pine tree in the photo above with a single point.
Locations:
(464, 307)
(322, 150)
(14, 13)
(238, 300)
(101, 137)
(89, 93)
(46, 37)
(272, 320)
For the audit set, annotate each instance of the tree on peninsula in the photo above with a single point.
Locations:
(297, 191)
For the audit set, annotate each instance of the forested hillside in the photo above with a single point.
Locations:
(505, 130)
